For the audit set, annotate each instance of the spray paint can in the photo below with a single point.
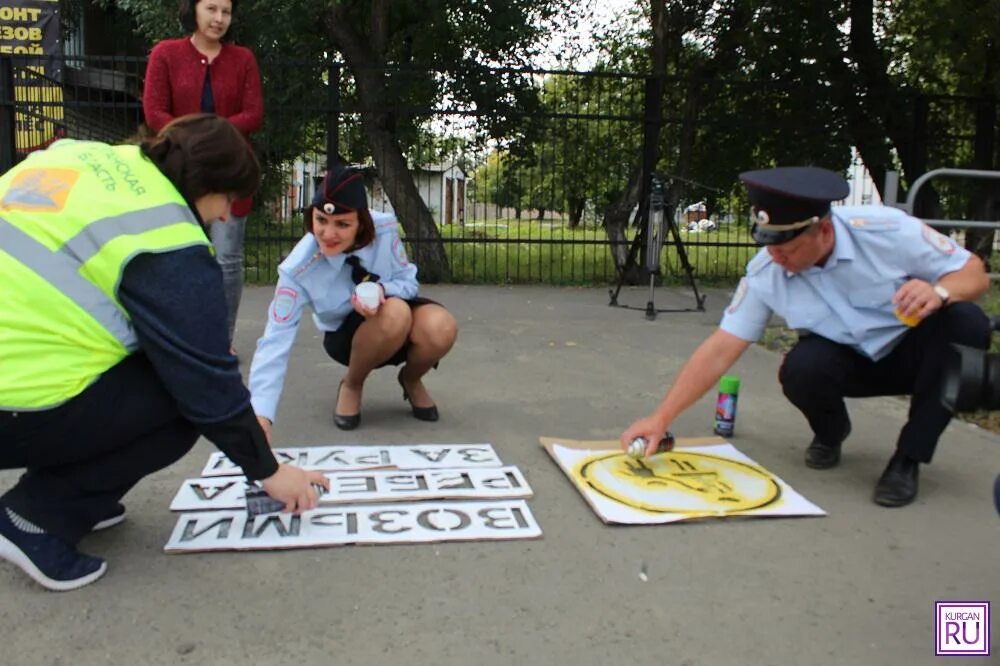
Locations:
(725, 405)
(909, 320)
(637, 447)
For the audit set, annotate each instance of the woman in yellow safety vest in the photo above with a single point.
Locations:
(113, 339)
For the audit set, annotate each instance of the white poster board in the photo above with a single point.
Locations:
(356, 457)
(703, 479)
(414, 522)
(216, 493)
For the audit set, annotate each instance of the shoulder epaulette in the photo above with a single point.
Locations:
(759, 263)
(869, 224)
(303, 266)
(303, 256)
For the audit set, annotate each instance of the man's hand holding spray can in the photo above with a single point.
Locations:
(637, 447)
(725, 420)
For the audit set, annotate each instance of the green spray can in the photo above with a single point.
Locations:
(725, 405)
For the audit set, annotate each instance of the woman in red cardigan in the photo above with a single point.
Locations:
(203, 73)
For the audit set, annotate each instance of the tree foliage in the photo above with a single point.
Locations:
(755, 83)
(952, 48)
(575, 153)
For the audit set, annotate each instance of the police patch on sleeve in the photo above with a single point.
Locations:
(741, 292)
(399, 251)
(284, 304)
(938, 241)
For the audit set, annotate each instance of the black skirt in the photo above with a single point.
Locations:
(338, 343)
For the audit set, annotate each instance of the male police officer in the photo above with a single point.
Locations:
(847, 278)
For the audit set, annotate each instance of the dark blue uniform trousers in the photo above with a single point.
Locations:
(817, 374)
(84, 455)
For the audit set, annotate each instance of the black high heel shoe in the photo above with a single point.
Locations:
(421, 413)
(342, 421)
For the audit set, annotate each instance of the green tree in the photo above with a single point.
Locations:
(592, 137)
(497, 182)
(953, 48)
(735, 84)
(390, 48)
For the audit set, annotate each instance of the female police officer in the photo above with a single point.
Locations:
(113, 336)
(345, 245)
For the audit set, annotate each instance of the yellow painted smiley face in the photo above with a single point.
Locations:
(679, 482)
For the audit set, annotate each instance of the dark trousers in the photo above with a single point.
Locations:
(817, 374)
(83, 456)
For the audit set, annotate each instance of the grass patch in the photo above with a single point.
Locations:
(547, 251)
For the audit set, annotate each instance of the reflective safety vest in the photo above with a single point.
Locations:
(71, 218)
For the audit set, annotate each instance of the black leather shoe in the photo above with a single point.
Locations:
(344, 421)
(421, 413)
(898, 484)
(824, 456)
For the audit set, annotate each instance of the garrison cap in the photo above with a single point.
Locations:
(342, 191)
(788, 200)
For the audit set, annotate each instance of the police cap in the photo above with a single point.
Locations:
(342, 191)
(786, 201)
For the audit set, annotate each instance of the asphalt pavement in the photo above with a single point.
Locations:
(855, 587)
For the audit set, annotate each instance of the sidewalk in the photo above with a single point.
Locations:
(854, 588)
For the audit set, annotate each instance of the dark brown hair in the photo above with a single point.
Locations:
(366, 227)
(186, 13)
(203, 153)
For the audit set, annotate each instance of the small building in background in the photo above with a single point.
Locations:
(441, 186)
(695, 213)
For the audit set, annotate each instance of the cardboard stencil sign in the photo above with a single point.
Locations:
(414, 522)
(705, 478)
(217, 493)
(348, 458)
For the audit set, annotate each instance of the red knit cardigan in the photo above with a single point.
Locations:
(175, 76)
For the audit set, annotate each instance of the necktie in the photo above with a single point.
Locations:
(359, 273)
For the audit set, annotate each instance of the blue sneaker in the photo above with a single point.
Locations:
(52, 562)
(118, 516)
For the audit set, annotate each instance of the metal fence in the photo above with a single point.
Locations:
(517, 190)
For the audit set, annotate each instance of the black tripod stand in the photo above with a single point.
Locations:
(653, 224)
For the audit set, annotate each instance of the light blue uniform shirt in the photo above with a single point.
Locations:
(849, 299)
(307, 278)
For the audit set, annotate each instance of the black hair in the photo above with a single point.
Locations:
(186, 13)
(203, 153)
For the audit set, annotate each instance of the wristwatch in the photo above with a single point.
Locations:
(943, 294)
